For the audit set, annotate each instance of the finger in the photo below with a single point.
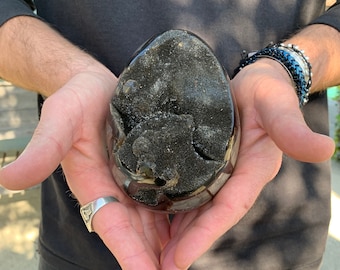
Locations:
(286, 126)
(183, 220)
(179, 225)
(118, 224)
(155, 229)
(162, 224)
(49, 144)
(200, 236)
(232, 202)
(113, 224)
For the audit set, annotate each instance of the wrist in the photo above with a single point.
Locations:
(98, 69)
(275, 69)
(265, 80)
(267, 67)
(292, 60)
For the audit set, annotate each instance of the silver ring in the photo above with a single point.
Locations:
(88, 211)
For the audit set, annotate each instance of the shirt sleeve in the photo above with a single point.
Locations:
(13, 8)
(331, 17)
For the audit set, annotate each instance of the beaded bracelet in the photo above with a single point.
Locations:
(293, 60)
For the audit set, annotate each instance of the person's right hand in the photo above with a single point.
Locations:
(72, 132)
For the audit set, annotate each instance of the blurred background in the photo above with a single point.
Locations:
(20, 210)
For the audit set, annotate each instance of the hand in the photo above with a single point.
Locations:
(271, 123)
(72, 131)
(71, 128)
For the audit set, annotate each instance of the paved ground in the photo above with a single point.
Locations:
(20, 212)
(19, 223)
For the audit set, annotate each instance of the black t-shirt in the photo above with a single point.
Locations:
(287, 227)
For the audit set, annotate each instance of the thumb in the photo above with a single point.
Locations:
(49, 144)
(286, 126)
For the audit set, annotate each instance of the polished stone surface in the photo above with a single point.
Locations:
(174, 117)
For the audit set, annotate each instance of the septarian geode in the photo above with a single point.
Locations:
(175, 129)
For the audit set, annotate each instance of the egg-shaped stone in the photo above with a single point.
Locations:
(174, 134)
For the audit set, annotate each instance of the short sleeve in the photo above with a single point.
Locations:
(13, 8)
(331, 17)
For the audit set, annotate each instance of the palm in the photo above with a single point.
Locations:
(271, 121)
(133, 234)
(193, 233)
(72, 131)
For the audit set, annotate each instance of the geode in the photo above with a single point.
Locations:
(175, 131)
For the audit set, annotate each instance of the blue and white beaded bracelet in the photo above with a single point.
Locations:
(293, 60)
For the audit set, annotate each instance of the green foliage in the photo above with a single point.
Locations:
(337, 138)
(336, 97)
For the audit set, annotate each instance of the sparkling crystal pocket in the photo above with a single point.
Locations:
(174, 135)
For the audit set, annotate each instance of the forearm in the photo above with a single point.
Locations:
(38, 58)
(321, 44)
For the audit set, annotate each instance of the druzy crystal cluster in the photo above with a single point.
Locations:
(175, 132)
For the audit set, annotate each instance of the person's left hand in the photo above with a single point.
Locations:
(271, 123)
